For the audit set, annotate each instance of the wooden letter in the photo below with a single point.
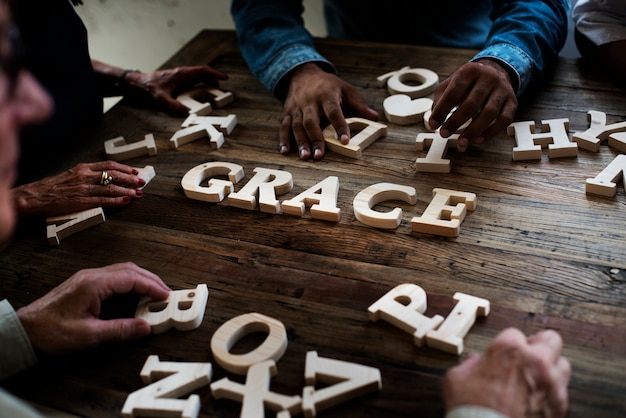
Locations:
(403, 307)
(553, 135)
(159, 398)
(147, 174)
(218, 189)
(449, 336)
(401, 110)
(617, 140)
(321, 198)
(605, 183)
(370, 132)
(444, 214)
(255, 395)
(196, 127)
(63, 226)
(347, 380)
(427, 80)
(598, 131)
(236, 328)
(268, 183)
(198, 99)
(437, 147)
(183, 309)
(117, 149)
(377, 193)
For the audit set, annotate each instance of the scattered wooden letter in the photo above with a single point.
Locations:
(147, 174)
(196, 127)
(449, 335)
(347, 380)
(605, 183)
(217, 189)
(321, 198)
(63, 226)
(198, 100)
(365, 200)
(598, 131)
(553, 136)
(118, 150)
(370, 132)
(402, 110)
(395, 81)
(183, 310)
(437, 147)
(444, 214)
(403, 307)
(160, 397)
(617, 140)
(255, 396)
(236, 328)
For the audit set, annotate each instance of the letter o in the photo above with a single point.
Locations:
(236, 328)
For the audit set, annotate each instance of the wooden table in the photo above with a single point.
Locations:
(545, 254)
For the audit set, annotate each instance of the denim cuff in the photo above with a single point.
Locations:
(515, 59)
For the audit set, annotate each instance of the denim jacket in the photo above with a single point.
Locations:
(525, 36)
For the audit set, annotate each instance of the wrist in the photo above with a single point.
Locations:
(121, 79)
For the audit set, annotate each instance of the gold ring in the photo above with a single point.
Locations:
(105, 179)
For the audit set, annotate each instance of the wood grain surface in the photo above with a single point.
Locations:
(545, 254)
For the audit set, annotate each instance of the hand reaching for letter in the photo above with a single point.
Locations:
(315, 96)
(79, 188)
(481, 91)
(66, 319)
(163, 86)
(518, 377)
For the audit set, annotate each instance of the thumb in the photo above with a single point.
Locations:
(123, 329)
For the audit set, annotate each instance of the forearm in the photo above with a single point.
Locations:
(526, 38)
(273, 39)
(112, 79)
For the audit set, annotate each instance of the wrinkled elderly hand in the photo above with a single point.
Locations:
(163, 86)
(313, 97)
(480, 91)
(67, 318)
(517, 376)
(79, 188)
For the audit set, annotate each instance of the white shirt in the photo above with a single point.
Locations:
(602, 21)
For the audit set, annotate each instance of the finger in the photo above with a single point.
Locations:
(334, 114)
(549, 342)
(311, 123)
(354, 101)
(284, 135)
(201, 73)
(507, 114)
(490, 112)
(299, 133)
(119, 330)
(127, 277)
(448, 95)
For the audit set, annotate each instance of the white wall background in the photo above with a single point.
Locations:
(145, 33)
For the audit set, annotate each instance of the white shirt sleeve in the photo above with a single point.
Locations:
(602, 21)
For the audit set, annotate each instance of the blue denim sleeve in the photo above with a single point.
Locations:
(526, 37)
(273, 39)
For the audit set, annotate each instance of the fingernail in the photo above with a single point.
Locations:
(138, 193)
(126, 199)
(444, 133)
(479, 140)
(318, 154)
(303, 154)
(135, 171)
(433, 124)
(344, 139)
(283, 149)
(462, 142)
(141, 182)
